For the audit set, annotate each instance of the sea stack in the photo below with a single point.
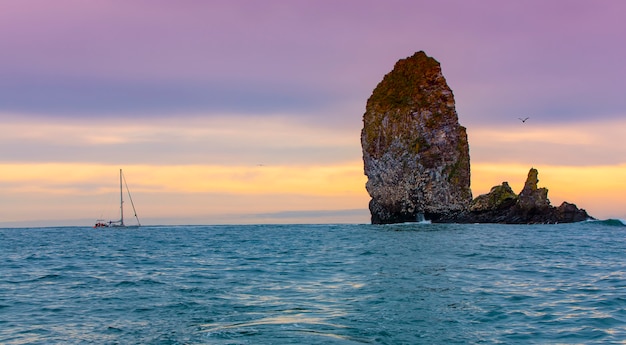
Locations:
(415, 152)
(531, 206)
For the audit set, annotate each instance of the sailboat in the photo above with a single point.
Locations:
(101, 223)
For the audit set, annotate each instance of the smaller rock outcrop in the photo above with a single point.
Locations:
(531, 206)
(532, 198)
(498, 198)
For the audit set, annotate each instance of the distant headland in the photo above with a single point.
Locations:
(416, 158)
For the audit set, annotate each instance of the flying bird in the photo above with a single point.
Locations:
(524, 119)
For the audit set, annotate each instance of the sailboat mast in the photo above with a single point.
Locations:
(121, 201)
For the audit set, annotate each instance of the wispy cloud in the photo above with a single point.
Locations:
(229, 140)
(584, 143)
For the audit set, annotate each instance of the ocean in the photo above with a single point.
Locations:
(315, 284)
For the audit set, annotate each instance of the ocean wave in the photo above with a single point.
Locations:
(610, 222)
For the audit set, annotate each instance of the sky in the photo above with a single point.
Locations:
(245, 111)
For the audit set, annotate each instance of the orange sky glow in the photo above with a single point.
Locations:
(206, 193)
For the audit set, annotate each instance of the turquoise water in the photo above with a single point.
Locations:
(315, 284)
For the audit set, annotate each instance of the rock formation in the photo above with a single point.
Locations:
(498, 198)
(531, 206)
(416, 158)
(415, 153)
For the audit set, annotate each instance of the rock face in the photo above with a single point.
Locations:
(532, 206)
(416, 158)
(415, 153)
(500, 197)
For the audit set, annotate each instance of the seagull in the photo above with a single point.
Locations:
(524, 119)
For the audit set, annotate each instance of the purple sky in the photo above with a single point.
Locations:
(554, 60)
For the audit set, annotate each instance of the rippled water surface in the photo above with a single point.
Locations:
(315, 284)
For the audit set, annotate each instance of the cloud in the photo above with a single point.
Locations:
(225, 140)
(588, 143)
(67, 97)
(151, 59)
(66, 191)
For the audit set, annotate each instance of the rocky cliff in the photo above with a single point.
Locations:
(416, 158)
(415, 153)
(531, 206)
